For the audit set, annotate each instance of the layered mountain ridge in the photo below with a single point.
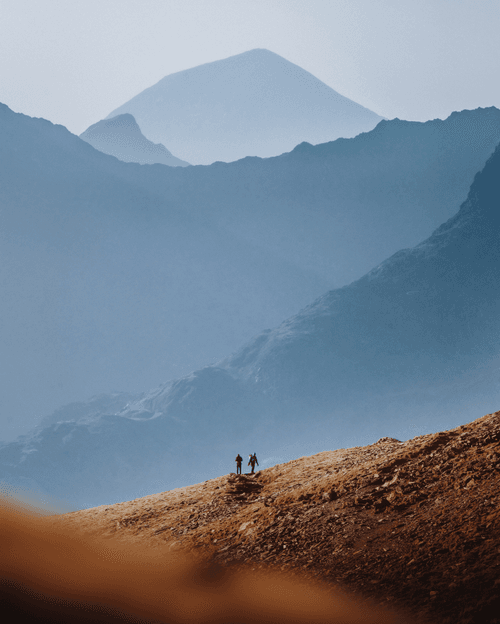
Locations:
(252, 104)
(413, 344)
(120, 276)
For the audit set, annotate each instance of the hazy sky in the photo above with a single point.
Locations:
(74, 61)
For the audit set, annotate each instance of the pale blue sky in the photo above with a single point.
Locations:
(74, 61)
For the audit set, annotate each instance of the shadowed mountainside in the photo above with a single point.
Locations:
(413, 345)
(120, 136)
(107, 284)
(119, 276)
(412, 525)
(252, 104)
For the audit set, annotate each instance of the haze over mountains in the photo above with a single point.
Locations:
(252, 104)
(342, 207)
(414, 343)
(120, 136)
(118, 276)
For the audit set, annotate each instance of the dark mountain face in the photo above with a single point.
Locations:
(343, 207)
(253, 104)
(108, 285)
(425, 312)
(122, 137)
(411, 346)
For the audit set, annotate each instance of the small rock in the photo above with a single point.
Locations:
(245, 525)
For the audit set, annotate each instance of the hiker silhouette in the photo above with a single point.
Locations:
(238, 461)
(252, 461)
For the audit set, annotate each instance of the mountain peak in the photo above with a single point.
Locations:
(261, 51)
(124, 120)
(255, 53)
(482, 199)
(255, 103)
(121, 137)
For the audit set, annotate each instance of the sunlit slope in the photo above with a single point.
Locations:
(357, 516)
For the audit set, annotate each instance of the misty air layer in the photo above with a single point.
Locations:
(239, 260)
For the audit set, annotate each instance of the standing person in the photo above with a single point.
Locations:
(252, 461)
(238, 461)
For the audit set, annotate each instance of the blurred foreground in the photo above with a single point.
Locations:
(51, 573)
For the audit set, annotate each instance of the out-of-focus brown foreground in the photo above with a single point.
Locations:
(51, 573)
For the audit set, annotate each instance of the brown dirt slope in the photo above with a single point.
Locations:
(413, 525)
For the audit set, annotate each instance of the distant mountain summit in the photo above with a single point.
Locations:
(120, 136)
(252, 104)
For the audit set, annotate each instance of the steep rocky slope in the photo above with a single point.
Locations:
(414, 524)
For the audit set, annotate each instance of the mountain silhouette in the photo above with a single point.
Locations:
(122, 137)
(109, 285)
(342, 207)
(423, 318)
(117, 276)
(252, 104)
(412, 344)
